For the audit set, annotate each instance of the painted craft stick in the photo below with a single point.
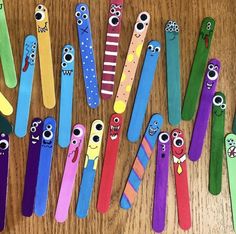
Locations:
(4, 152)
(143, 92)
(141, 161)
(6, 55)
(5, 106)
(108, 169)
(5, 126)
(234, 124)
(66, 101)
(31, 173)
(198, 66)
(181, 178)
(173, 72)
(71, 167)
(230, 148)
(45, 56)
(87, 55)
(131, 63)
(46, 154)
(111, 49)
(204, 109)
(161, 182)
(90, 166)
(26, 83)
(217, 143)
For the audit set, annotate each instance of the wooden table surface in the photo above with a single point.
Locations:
(210, 214)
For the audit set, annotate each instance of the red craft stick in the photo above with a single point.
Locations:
(181, 178)
(108, 170)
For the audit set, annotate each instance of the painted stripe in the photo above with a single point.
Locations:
(112, 43)
(113, 34)
(138, 168)
(108, 82)
(109, 72)
(109, 64)
(111, 53)
(130, 193)
(147, 147)
(106, 92)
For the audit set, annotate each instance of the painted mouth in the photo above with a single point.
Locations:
(137, 35)
(179, 153)
(114, 136)
(43, 29)
(93, 147)
(47, 144)
(209, 85)
(67, 72)
(115, 128)
(75, 155)
(206, 41)
(25, 68)
(152, 131)
(217, 114)
(232, 152)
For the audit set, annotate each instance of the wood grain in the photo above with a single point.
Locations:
(209, 214)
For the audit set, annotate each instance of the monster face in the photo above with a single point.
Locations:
(164, 141)
(49, 130)
(212, 73)
(207, 29)
(230, 142)
(36, 131)
(172, 29)
(178, 146)
(30, 52)
(153, 127)
(82, 16)
(219, 104)
(115, 16)
(4, 144)
(142, 24)
(115, 126)
(67, 64)
(41, 16)
(154, 49)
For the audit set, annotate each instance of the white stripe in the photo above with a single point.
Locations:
(107, 82)
(106, 92)
(111, 53)
(113, 34)
(109, 72)
(109, 64)
(112, 43)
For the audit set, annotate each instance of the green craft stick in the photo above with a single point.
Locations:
(230, 148)
(6, 55)
(5, 126)
(234, 124)
(198, 68)
(217, 143)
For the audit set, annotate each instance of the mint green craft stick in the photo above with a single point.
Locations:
(230, 148)
(6, 55)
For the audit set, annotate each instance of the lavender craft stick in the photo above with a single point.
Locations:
(204, 109)
(161, 182)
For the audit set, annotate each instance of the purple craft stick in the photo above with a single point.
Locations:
(204, 109)
(31, 174)
(4, 150)
(161, 182)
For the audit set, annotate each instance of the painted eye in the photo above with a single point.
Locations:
(99, 127)
(175, 134)
(77, 14)
(63, 65)
(66, 50)
(155, 123)
(34, 46)
(78, 132)
(164, 137)
(212, 75)
(116, 120)
(79, 22)
(83, 8)
(157, 49)
(69, 58)
(113, 21)
(74, 142)
(39, 15)
(118, 13)
(150, 47)
(33, 129)
(112, 11)
(32, 56)
(113, 6)
(120, 6)
(218, 100)
(208, 25)
(178, 142)
(47, 135)
(49, 127)
(223, 106)
(4, 144)
(85, 16)
(211, 66)
(139, 27)
(96, 139)
(143, 17)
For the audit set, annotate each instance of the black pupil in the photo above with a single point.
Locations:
(64, 64)
(2, 145)
(162, 155)
(38, 16)
(140, 26)
(143, 17)
(116, 120)
(164, 137)
(157, 49)
(218, 100)
(212, 73)
(179, 142)
(99, 127)
(32, 55)
(68, 57)
(47, 133)
(79, 21)
(96, 138)
(84, 16)
(115, 21)
(76, 132)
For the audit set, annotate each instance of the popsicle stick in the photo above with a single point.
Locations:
(26, 83)
(230, 149)
(45, 56)
(89, 171)
(141, 161)
(108, 169)
(87, 54)
(5, 126)
(198, 68)
(204, 109)
(5, 106)
(66, 101)
(6, 55)
(143, 92)
(181, 178)
(161, 182)
(131, 63)
(45, 160)
(31, 173)
(217, 143)
(4, 155)
(111, 48)
(68, 180)
(173, 72)
(234, 124)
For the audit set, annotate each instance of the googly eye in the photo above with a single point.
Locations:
(78, 132)
(212, 75)
(218, 100)
(35, 124)
(32, 56)
(40, 7)
(113, 21)
(118, 13)
(116, 120)
(139, 27)
(143, 17)
(150, 47)
(83, 8)
(178, 142)
(33, 129)
(211, 66)
(69, 58)
(216, 68)
(4, 144)
(63, 65)
(77, 14)
(164, 137)
(157, 49)
(39, 15)
(96, 139)
(113, 5)
(99, 127)
(34, 46)
(223, 106)
(112, 11)
(66, 50)
(74, 142)
(79, 22)
(47, 135)
(175, 134)
(49, 127)
(85, 16)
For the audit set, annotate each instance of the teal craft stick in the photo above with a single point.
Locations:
(6, 55)
(26, 83)
(234, 124)
(173, 72)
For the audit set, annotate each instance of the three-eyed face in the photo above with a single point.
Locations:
(212, 73)
(82, 17)
(115, 125)
(41, 15)
(230, 142)
(67, 64)
(178, 144)
(115, 16)
(154, 49)
(164, 142)
(49, 130)
(141, 24)
(4, 144)
(219, 104)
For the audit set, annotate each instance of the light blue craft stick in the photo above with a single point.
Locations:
(26, 83)
(143, 92)
(173, 72)
(44, 170)
(66, 100)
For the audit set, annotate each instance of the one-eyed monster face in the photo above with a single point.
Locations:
(4, 144)
(154, 49)
(67, 64)
(207, 28)
(219, 104)
(82, 17)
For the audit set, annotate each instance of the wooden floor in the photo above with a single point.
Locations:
(210, 214)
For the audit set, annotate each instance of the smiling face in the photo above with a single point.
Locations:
(115, 16)
(115, 125)
(4, 144)
(67, 64)
(230, 143)
(141, 24)
(212, 73)
(36, 131)
(178, 145)
(154, 49)
(219, 104)
(153, 127)
(41, 17)
(172, 29)
(82, 17)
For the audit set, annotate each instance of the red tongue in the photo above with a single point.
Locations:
(75, 155)
(26, 64)
(206, 41)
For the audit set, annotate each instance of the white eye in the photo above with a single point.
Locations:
(150, 47)
(4, 144)
(223, 106)
(212, 75)
(63, 65)
(208, 26)
(83, 8)
(77, 14)
(34, 46)
(116, 120)
(175, 134)
(211, 66)
(112, 11)
(218, 100)
(39, 15)
(144, 17)
(79, 22)
(47, 135)
(157, 49)
(69, 58)
(66, 50)
(33, 129)
(155, 123)
(49, 127)
(118, 13)
(139, 27)
(178, 142)
(78, 132)
(216, 68)
(85, 16)
(164, 137)
(74, 142)
(113, 21)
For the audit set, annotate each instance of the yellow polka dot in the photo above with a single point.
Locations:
(119, 107)
(130, 58)
(123, 77)
(128, 88)
(139, 50)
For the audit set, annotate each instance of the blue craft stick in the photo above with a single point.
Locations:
(25, 88)
(173, 72)
(143, 92)
(66, 100)
(87, 55)
(46, 154)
